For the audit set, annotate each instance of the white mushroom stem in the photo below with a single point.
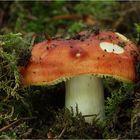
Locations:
(87, 92)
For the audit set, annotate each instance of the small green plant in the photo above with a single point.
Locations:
(137, 27)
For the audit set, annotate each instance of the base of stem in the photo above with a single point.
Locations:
(86, 91)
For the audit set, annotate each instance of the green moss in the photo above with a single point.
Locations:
(74, 126)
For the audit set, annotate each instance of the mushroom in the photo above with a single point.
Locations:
(81, 61)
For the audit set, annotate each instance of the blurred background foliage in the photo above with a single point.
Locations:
(38, 112)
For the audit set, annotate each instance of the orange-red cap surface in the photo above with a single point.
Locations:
(106, 53)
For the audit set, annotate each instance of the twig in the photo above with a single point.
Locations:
(15, 122)
(66, 17)
(62, 132)
(90, 115)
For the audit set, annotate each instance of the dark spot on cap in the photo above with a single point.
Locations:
(77, 37)
(24, 57)
(122, 44)
(82, 39)
(134, 54)
(103, 55)
(71, 46)
(47, 48)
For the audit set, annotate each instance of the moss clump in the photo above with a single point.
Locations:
(13, 102)
(68, 125)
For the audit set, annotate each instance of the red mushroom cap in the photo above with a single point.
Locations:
(102, 54)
